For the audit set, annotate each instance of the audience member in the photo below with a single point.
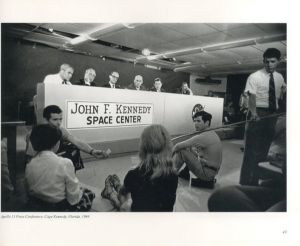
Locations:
(157, 86)
(264, 88)
(152, 184)
(62, 77)
(89, 77)
(202, 154)
(53, 116)
(113, 78)
(49, 179)
(137, 84)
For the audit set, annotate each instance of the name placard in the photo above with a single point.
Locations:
(107, 114)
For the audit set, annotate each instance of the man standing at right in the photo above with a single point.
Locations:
(264, 88)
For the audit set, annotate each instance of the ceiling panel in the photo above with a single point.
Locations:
(163, 47)
(191, 29)
(272, 29)
(215, 38)
(187, 43)
(160, 32)
(227, 26)
(131, 38)
(248, 52)
(245, 32)
(227, 55)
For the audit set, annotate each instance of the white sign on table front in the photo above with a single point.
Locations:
(107, 114)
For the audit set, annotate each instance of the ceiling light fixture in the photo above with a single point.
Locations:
(152, 67)
(146, 52)
(80, 39)
(219, 46)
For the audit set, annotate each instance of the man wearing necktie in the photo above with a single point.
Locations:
(264, 88)
(113, 79)
(137, 84)
(62, 77)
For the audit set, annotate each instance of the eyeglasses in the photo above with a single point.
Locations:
(114, 76)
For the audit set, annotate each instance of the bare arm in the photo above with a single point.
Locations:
(187, 143)
(86, 147)
(252, 106)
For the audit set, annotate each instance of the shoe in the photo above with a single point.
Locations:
(116, 183)
(185, 173)
(106, 192)
(203, 183)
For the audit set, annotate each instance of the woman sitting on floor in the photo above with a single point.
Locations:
(152, 185)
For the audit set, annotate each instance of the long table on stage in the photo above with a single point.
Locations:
(115, 118)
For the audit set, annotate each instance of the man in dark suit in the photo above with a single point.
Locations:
(137, 84)
(113, 78)
(89, 77)
(157, 86)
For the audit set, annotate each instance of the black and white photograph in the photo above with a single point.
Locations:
(148, 117)
(155, 119)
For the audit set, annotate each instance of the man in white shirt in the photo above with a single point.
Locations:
(113, 79)
(50, 180)
(264, 88)
(62, 77)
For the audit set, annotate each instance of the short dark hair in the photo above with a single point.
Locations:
(51, 109)
(271, 53)
(44, 137)
(157, 79)
(205, 116)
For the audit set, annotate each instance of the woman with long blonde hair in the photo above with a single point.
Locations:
(153, 183)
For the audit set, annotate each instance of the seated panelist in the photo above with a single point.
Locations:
(137, 84)
(157, 86)
(62, 77)
(184, 89)
(113, 79)
(89, 77)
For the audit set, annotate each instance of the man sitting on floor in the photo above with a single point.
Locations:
(49, 179)
(69, 143)
(202, 153)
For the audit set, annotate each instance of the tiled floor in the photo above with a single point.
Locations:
(189, 199)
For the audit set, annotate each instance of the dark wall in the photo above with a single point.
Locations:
(24, 65)
(236, 85)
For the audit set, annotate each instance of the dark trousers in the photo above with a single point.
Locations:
(247, 199)
(258, 138)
